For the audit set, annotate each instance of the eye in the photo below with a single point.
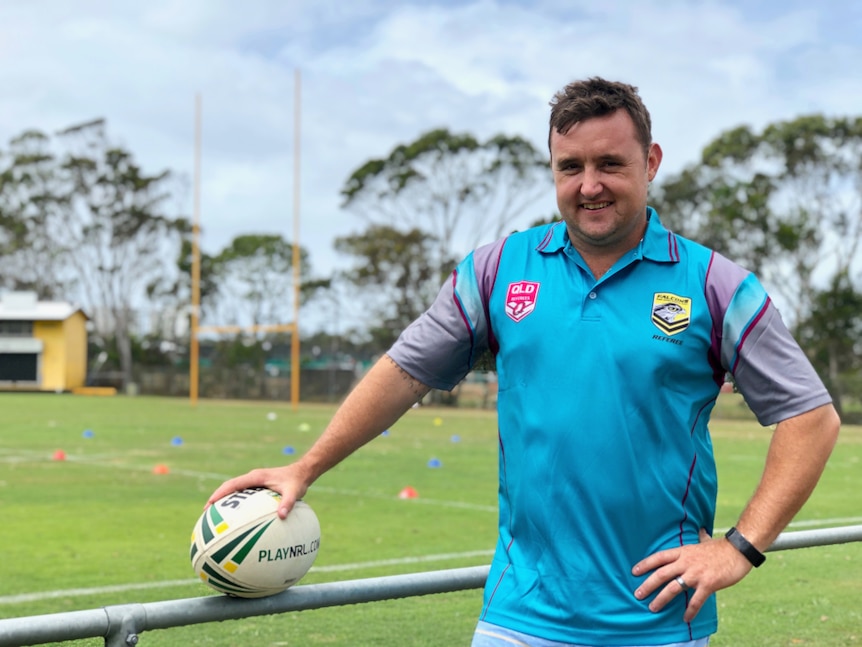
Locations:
(569, 167)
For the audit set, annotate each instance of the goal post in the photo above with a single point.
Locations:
(195, 328)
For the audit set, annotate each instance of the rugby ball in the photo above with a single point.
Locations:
(239, 545)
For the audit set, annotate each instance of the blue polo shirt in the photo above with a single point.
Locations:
(605, 392)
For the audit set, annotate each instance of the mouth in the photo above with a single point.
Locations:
(595, 206)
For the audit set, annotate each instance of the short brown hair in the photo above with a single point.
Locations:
(597, 97)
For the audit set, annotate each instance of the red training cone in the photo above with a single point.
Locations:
(59, 455)
(408, 493)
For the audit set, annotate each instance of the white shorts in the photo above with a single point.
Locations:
(488, 635)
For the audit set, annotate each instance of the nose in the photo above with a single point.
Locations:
(591, 183)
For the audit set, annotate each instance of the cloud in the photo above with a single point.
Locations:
(375, 74)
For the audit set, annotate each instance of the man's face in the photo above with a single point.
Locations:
(601, 176)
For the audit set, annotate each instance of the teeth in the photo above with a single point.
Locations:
(596, 205)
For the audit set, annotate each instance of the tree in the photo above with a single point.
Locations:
(255, 273)
(252, 281)
(439, 196)
(832, 334)
(30, 259)
(784, 202)
(80, 220)
(457, 189)
(115, 231)
(396, 275)
(208, 285)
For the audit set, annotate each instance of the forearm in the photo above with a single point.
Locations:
(379, 400)
(797, 456)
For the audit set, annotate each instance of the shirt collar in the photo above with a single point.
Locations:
(658, 244)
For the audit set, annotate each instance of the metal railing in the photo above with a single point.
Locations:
(121, 625)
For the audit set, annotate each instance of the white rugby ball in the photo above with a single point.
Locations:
(240, 546)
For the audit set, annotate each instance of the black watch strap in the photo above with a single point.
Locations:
(745, 547)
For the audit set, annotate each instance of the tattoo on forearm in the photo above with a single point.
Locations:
(418, 388)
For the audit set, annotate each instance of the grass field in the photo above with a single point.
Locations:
(101, 518)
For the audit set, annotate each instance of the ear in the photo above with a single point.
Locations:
(653, 160)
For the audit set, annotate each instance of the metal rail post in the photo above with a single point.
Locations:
(125, 621)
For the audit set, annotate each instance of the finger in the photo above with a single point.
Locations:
(694, 599)
(221, 491)
(656, 560)
(234, 485)
(660, 577)
(289, 489)
(665, 595)
(286, 505)
(695, 603)
(292, 490)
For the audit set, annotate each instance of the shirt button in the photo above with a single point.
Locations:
(592, 295)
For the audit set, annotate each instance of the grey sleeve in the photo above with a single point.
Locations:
(771, 371)
(774, 376)
(441, 346)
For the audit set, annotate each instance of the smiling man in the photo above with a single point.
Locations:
(612, 337)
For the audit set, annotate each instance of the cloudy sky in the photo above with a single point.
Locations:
(377, 73)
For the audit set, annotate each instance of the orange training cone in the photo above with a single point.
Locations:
(161, 468)
(408, 493)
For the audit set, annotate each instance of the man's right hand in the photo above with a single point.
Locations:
(286, 480)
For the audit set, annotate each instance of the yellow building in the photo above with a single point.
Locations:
(43, 344)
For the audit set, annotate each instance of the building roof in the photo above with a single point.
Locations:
(24, 306)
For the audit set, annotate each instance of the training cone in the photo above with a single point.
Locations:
(434, 463)
(161, 468)
(59, 455)
(408, 493)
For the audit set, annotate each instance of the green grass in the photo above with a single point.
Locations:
(102, 518)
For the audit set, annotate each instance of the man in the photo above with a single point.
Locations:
(612, 337)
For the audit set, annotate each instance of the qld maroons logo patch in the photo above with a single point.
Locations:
(670, 313)
(521, 299)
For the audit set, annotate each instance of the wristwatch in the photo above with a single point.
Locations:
(745, 547)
